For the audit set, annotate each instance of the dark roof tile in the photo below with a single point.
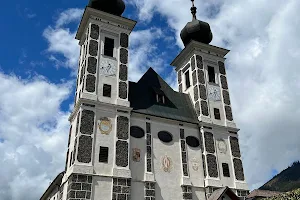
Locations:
(142, 97)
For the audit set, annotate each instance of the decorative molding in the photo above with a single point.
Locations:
(166, 163)
(113, 20)
(105, 125)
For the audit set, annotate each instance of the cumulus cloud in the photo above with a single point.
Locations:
(33, 132)
(63, 47)
(262, 71)
(144, 52)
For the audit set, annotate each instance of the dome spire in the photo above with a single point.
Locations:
(196, 30)
(193, 10)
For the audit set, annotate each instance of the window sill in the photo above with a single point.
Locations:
(214, 84)
(111, 57)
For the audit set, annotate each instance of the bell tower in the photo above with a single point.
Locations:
(103, 66)
(97, 165)
(202, 74)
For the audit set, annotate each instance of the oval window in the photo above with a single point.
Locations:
(192, 141)
(165, 136)
(137, 132)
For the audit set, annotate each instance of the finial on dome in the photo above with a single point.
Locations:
(193, 10)
(196, 30)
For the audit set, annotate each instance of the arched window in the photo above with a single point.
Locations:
(165, 136)
(137, 132)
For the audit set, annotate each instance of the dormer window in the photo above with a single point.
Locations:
(159, 95)
(160, 98)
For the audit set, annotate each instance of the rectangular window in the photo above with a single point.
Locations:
(187, 79)
(71, 158)
(160, 99)
(211, 74)
(109, 47)
(70, 136)
(103, 155)
(106, 90)
(217, 113)
(225, 170)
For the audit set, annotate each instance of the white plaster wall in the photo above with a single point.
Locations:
(137, 190)
(110, 80)
(65, 191)
(102, 188)
(224, 157)
(105, 141)
(195, 165)
(138, 169)
(168, 183)
(198, 193)
(219, 105)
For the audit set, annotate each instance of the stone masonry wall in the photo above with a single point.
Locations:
(79, 187)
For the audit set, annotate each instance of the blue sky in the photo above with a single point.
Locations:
(38, 66)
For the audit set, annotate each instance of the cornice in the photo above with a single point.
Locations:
(91, 13)
(97, 105)
(198, 46)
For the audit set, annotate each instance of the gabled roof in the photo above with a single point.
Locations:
(218, 194)
(55, 183)
(263, 193)
(142, 97)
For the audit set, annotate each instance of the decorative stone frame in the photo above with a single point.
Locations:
(121, 189)
(184, 153)
(187, 192)
(122, 144)
(149, 190)
(79, 187)
(149, 147)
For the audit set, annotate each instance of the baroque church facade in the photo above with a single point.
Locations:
(143, 140)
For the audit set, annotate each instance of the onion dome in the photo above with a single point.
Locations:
(196, 30)
(115, 7)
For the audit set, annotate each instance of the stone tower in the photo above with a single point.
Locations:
(97, 155)
(202, 74)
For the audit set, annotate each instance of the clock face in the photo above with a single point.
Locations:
(214, 93)
(108, 67)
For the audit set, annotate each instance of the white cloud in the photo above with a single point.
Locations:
(33, 132)
(68, 16)
(62, 40)
(262, 69)
(144, 52)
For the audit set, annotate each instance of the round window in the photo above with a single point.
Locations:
(137, 132)
(192, 141)
(165, 136)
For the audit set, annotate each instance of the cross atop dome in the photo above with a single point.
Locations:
(193, 10)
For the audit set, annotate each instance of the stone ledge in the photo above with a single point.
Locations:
(149, 177)
(123, 173)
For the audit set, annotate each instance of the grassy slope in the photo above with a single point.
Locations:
(287, 180)
(293, 195)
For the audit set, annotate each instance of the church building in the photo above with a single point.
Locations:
(143, 140)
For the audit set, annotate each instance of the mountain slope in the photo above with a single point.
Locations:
(293, 195)
(287, 180)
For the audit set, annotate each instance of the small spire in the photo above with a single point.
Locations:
(193, 10)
